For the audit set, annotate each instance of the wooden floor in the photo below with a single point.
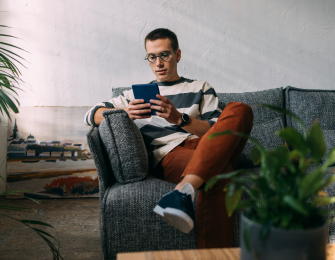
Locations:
(75, 220)
(77, 224)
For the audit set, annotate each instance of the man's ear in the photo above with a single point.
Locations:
(178, 54)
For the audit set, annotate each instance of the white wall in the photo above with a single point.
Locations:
(80, 49)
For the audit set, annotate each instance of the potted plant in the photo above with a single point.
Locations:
(10, 81)
(284, 217)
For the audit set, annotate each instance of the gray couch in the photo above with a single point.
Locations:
(128, 193)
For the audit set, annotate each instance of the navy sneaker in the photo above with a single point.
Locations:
(176, 208)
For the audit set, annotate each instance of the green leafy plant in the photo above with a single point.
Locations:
(10, 74)
(9, 82)
(283, 195)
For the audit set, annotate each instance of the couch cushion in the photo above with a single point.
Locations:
(262, 115)
(266, 121)
(309, 105)
(329, 136)
(271, 120)
(124, 145)
(265, 134)
(100, 158)
(119, 91)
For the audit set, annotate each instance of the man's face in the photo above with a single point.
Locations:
(163, 70)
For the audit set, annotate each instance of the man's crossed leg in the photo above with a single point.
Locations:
(194, 163)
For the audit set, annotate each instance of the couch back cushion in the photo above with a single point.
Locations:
(266, 121)
(263, 117)
(266, 134)
(311, 105)
(124, 145)
(119, 91)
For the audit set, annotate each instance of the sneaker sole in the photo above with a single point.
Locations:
(178, 219)
(159, 211)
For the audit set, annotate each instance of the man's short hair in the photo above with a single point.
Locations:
(162, 33)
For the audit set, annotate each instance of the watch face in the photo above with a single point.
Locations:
(185, 117)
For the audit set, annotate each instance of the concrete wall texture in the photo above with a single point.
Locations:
(80, 49)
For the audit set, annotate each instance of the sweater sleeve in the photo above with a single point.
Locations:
(209, 108)
(119, 102)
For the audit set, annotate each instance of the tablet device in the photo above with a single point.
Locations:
(146, 92)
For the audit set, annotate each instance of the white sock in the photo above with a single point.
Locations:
(188, 189)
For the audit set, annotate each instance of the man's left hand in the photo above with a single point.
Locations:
(166, 109)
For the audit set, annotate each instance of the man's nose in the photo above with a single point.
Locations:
(158, 62)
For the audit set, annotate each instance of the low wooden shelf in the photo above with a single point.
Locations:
(198, 254)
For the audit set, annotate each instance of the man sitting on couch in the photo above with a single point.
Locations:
(187, 113)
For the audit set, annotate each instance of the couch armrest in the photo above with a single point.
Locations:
(124, 146)
(105, 174)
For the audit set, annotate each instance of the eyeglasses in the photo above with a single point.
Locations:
(163, 55)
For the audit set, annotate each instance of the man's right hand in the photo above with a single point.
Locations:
(136, 108)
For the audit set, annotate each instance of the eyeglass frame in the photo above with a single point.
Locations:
(169, 54)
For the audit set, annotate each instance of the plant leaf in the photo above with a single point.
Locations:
(320, 201)
(12, 192)
(35, 222)
(273, 161)
(232, 201)
(330, 160)
(17, 208)
(316, 142)
(294, 138)
(289, 113)
(214, 180)
(54, 250)
(43, 232)
(310, 184)
(327, 181)
(294, 204)
(255, 155)
(4, 107)
(245, 204)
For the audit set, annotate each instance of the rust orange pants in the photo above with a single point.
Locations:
(207, 158)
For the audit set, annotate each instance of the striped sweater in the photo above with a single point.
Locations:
(193, 97)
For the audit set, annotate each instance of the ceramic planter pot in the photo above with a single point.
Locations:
(282, 244)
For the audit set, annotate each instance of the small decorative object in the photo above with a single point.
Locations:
(285, 217)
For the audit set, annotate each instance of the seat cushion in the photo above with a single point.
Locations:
(130, 225)
(124, 145)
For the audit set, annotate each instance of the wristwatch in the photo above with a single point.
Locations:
(184, 119)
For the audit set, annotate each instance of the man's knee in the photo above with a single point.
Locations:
(241, 110)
